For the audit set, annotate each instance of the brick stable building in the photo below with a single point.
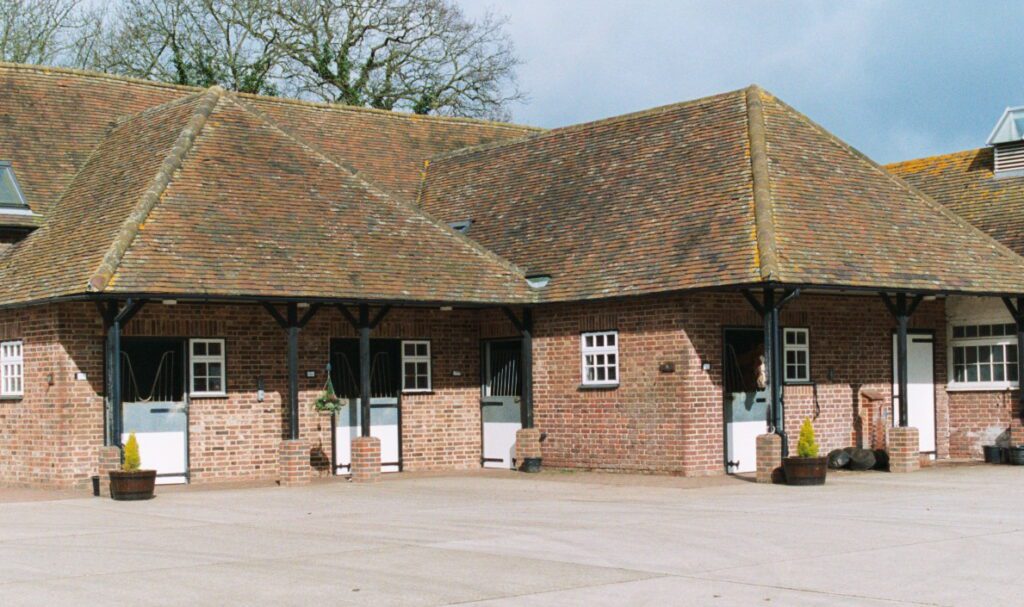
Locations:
(652, 291)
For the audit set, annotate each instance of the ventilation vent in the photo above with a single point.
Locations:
(461, 227)
(1009, 159)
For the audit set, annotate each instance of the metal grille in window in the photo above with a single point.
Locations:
(147, 385)
(345, 376)
(504, 371)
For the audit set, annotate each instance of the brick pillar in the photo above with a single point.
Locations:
(769, 457)
(110, 459)
(904, 449)
(294, 463)
(527, 444)
(365, 459)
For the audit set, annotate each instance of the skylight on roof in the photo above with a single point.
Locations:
(10, 193)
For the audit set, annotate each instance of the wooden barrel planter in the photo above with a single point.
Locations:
(1016, 455)
(131, 486)
(804, 471)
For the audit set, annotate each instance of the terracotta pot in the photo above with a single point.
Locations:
(805, 470)
(135, 485)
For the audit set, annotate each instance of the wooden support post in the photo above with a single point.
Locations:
(114, 321)
(292, 324)
(293, 371)
(1017, 312)
(770, 308)
(901, 310)
(365, 392)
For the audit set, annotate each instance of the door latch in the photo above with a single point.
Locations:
(733, 464)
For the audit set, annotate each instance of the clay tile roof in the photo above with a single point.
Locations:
(734, 189)
(206, 196)
(965, 183)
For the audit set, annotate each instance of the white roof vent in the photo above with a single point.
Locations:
(1008, 141)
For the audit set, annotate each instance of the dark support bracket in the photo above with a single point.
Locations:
(1017, 312)
(114, 321)
(525, 328)
(292, 324)
(364, 326)
(902, 309)
(769, 309)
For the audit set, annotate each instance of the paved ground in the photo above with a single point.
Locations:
(945, 536)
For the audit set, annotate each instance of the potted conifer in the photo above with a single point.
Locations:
(131, 483)
(806, 468)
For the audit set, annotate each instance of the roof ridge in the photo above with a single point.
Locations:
(129, 229)
(476, 246)
(764, 207)
(900, 182)
(50, 69)
(889, 165)
(544, 134)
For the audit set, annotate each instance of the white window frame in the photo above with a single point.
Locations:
(416, 359)
(12, 369)
(804, 347)
(1006, 341)
(193, 358)
(596, 351)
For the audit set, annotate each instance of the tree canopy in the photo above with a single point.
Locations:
(423, 56)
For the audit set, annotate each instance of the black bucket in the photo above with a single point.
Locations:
(993, 454)
(1016, 455)
(531, 464)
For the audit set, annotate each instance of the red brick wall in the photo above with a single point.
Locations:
(980, 418)
(29, 450)
(673, 422)
(660, 422)
(53, 435)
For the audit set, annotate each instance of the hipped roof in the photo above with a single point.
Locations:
(207, 196)
(736, 189)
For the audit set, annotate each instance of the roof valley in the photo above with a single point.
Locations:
(103, 274)
(764, 220)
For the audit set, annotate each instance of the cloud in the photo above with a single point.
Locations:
(896, 80)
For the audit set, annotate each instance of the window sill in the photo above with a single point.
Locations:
(588, 387)
(798, 383)
(201, 395)
(418, 392)
(13, 397)
(980, 387)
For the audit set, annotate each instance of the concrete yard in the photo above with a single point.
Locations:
(949, 535)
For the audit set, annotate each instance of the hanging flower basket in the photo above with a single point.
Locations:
(328, 401)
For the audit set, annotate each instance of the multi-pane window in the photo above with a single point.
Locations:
(796, 354)
(12, 370)
(984, 356)
(206, 357)
(600, 358)
(415, 366)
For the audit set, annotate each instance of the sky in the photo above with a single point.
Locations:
(897, 80)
